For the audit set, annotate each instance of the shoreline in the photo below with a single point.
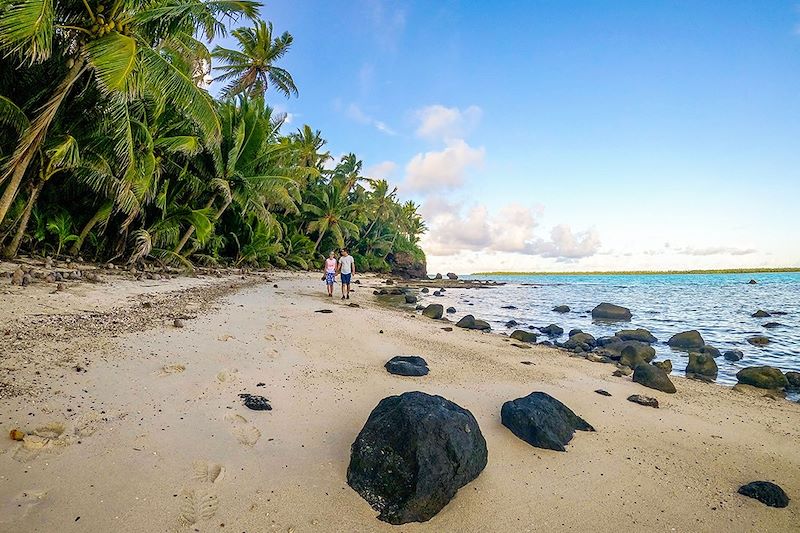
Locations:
(130, 436)
(779, 270)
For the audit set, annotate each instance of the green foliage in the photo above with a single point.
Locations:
(112, 145)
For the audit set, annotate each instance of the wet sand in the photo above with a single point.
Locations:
(151, 435)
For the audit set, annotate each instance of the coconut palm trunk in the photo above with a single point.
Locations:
(11, 249)
(101, 213)
(34, 136)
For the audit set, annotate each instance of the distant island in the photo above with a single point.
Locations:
(643, 272)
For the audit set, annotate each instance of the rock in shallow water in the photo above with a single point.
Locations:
(434, 311)
(542, 421)
(561, 309)
(733, 355)
(413, 454)
(607, 311)
(665, 365)
(758, 340)
(552, 330)
(641, 335)
(766, 492)
(763, 377)
(701, 364)
(523, 336)
(470, 322)
(653, 377)
(407, 365)
(760, 314)
(687, 340)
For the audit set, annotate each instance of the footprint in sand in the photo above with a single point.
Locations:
(225, 375)
(46, 438)
(20, 505)
(244, 432)
(199, 501)
(166, 370)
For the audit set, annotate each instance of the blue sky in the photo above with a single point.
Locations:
(551, 135)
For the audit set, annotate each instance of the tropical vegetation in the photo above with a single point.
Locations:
(112, 146)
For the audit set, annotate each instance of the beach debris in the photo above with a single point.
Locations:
(523, 336)
(607, 311)
(178, 323)
(665, 365)
(758, 340)
(701, 365)
(470, 322)
(354, 305)
(542, 421)
(561, 309)
(639, 334)
(647, 401)
(733, 355)
(16, 434)
(552, 330)
(255, 402)
(434, 311)
(448, 328)
(766, 492)
(763, 377)
(324, 311)
(413, 454)
(602, 392)
(761, 314)
(687, 340)
(381, 331)
(653, 377)
(527, 362)
(451, 275)
(407, 365)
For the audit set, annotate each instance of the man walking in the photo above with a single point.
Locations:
(347, 267)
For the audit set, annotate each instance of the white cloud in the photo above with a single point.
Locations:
(382, 170)
(445, 169)
(354, 112)
(716, 250)
(438, 122)
(510, 231)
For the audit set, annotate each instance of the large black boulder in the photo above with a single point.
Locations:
(766, 492)
(542, 421)
(763, 377)
(413, 454)
(523, 336)
(581, 340)
(470, 322)
(607, 311)
(653, 377)
(407, 365)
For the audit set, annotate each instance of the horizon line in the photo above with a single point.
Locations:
(765, 270)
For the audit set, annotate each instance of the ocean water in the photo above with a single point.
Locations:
(717, 305)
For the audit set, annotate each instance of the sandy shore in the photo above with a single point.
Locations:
(136, 425)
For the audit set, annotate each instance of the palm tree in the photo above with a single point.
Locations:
(380, 200)
(120, 50)
(329, 211)
(252, 69)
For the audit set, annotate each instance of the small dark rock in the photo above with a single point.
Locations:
(552, 330)
(448, 329)
(640, 334)
(602, 392)
(561, 309)
(255, 402)
(792, 380)
(523, 336)
(178, 323)
(760, 314)
(666, 365)
(758, 340)
(542, 421)
(425, 290)
(766, 492)
(451, 310)
(410, 299)
(574, 332)
(508, 307)
(752, 282)
(407, 365)
(653, 377)
(772, 325)
(434, 311)
(512, 323)
(733, 355)
(647, 401)
(324, 311)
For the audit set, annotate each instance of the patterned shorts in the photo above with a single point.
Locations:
(329, 277)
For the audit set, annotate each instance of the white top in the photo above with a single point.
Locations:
(346, 263)
(330, 265)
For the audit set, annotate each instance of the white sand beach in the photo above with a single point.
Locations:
(145, 431)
